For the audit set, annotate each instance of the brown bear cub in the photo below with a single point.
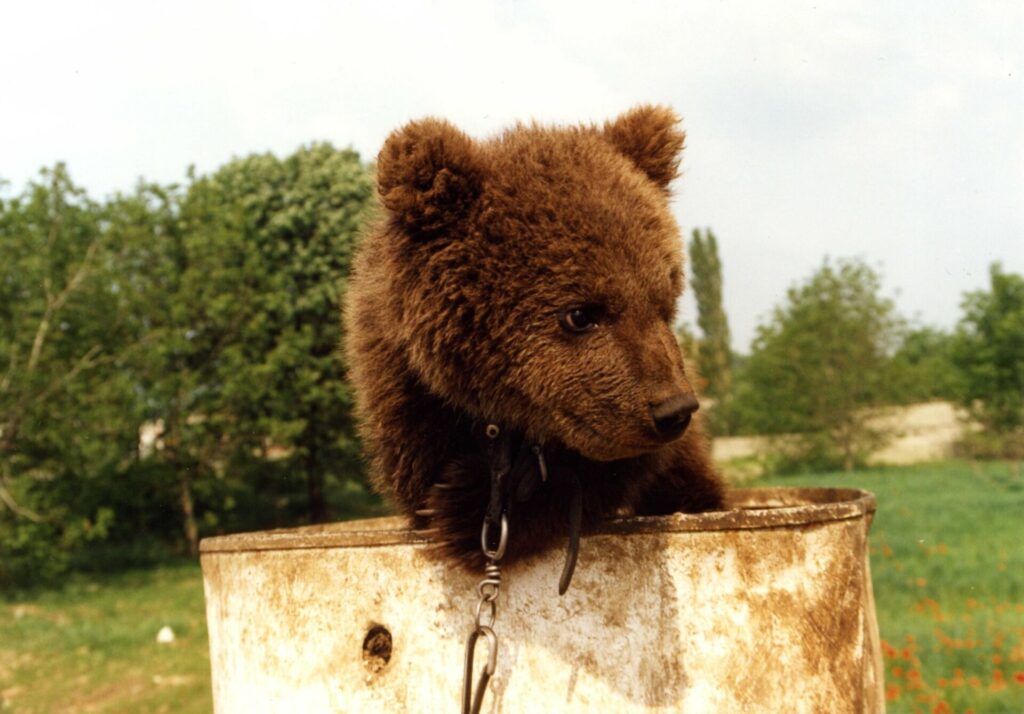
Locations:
(528, 282)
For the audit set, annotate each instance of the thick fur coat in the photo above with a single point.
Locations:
(530, 280)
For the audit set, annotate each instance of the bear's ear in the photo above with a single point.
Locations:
(428, 175)
(651, 138)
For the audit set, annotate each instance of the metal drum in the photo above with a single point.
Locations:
(766, 607)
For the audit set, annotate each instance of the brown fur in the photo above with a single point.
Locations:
(455, 309)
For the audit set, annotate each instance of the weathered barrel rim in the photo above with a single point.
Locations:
(751, 509)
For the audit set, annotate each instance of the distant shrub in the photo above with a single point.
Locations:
(991, 445)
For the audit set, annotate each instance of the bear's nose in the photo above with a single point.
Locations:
(672, 416)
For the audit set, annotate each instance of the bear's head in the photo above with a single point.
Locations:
(534, 277)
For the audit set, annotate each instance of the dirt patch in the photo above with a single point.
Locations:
(126, 690)
(921, 433)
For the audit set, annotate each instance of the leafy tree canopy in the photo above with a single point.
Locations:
(819, 361)
(988, 349)
(208, 316)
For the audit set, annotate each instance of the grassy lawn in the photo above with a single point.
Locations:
(948, 568)
(947, 555)
(91, 646)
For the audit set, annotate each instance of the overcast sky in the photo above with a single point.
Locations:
(888, 131)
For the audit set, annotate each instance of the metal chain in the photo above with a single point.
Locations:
(486, 612)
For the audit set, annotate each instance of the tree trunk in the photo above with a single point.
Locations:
(187, 511)
(848, 462)
(846, 438)
(314, 471)
(172, 441)
(317, 506)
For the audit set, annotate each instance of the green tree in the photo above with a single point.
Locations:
(66, 405)
(686, 340)
(210, 314)
(923, 368)
(988, 351)
(149, 231)
(269, 244)
(818, 363)
(714, 351)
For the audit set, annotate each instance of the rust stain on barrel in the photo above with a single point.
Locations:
(766, 606)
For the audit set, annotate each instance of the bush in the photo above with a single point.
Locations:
(991, 445)
(29, 555)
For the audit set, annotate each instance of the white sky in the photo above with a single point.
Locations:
(889, 131)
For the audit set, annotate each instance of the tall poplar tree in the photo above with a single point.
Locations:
(714, 352)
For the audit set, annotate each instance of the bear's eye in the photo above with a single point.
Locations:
(581, 318)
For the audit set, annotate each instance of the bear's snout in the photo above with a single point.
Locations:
(672, 416)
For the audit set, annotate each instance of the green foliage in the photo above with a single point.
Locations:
(685, 339)
(817, 365)
(90, 645)
(988, 350)
(209, 315)
(991, 445)
(270, 244)
(713, 351)
(67, 416)
(922, 367)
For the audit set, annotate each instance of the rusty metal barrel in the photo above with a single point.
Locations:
(766, 607)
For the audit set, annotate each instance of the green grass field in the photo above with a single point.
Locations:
(947, 556)
(91, 646)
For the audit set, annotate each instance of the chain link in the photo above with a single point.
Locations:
(486, 613)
